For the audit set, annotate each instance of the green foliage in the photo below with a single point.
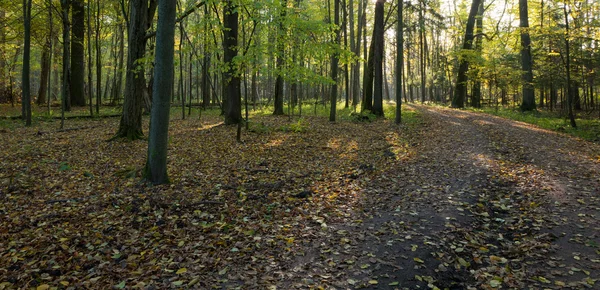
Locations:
(64, 166)
(299, 126)
(259, 128)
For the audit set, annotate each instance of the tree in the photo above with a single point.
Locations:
(77, 54)
(231, 77)
(66, 60)
(476, 92)
(156, 165)
(26, 102)
(528, 103)
(460, 93)
(335, 58)
(399, 61)
(278, 110)
(568, 69)
(378, 42)
(141, 13)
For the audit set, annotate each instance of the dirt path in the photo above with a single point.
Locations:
(486, 203)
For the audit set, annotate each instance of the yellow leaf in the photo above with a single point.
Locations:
(43, 287)
(373, 282)
(418, 260)
(64, 283)
(181, 271)
(543, 280)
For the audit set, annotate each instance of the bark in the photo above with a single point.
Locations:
(476, 94)
(66, 61)
(231, 77)
(460, 93)
(156, 165)
(26, 102)
(77, 54)
(140, 14)
(98, 60)
(205, 65)
(89, 43)
(422, 50)
(378, 58)
(278, 103)
(44, 74)
(334, 63)
(367, 100)
(399, 61)
(528, 103)
(568, 68)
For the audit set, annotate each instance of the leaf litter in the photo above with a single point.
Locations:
(457, 200)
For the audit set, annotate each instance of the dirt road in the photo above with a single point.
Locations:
(486, 203)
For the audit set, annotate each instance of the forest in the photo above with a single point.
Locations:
(299, 144)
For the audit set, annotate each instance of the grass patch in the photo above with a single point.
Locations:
(588, 129)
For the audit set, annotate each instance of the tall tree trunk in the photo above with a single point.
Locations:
(98, 60)
(231, 77)
(77, 54)
(422, 56)
(89, 37)
(399, 61)
(568, 68)
(334, 63)
(460, 93)
(378, 48)
(206, 64)
(156, 164)
(140, 14)
(526, 60)
(278, 103)
(476, 98)
(66, 61)
(26, 102)
(44, 74)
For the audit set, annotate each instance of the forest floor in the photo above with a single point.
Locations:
(450, 199)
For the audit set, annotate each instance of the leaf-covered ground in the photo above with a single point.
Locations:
(453, 200)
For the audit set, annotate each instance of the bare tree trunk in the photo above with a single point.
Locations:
(98, 60)
(378, 49)
(568, 68)
(334, 63)
(460, 92)
(156, 164)
(526, 61)
(231, 77)
(278, 103)
(399, 61)
(26, 102)
(77, 54)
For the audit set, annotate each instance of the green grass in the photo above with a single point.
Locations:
(588, 129)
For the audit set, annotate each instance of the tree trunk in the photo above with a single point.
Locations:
(334, 63)
(44, 74)
(378, 48)
(526, 60)
(77, 54)
(156, 165)
(140, 14)
(460, 93)
(89, 37)
(26, 101)
(399, 61)
(66, 63)
(422, 57)
(231, 77)
(278, 103)
(98, 60)
(476, 94)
